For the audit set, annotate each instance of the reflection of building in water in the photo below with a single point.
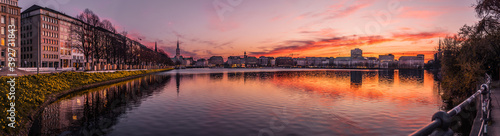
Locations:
(250, 75)
(95, 111)
(266, 75)
(386, 76)
(177, 82)
(234, 76)
(356, 78)
(411, 75)
(216, 76)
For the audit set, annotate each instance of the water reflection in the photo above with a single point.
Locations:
(356, 79)
(95, 111)
(243, 102)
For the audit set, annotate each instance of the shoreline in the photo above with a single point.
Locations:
(54, 97)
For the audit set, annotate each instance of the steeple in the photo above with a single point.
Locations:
(439, 49)
(178, 50)
(156, 46)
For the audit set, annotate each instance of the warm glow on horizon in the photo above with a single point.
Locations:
(322, 28)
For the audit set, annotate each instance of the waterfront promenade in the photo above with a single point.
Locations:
(494, 129)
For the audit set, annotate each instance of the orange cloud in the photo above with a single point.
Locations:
(418, 36)
(331, 46)
(309, 46)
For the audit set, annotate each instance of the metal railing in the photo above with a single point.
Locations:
(441, 121)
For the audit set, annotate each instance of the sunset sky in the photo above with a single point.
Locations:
(320, 28)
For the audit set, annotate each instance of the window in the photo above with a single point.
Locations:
(2, 30)
(12, 21)
(2, 41)
(2, 20)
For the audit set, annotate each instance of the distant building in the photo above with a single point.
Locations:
(386, 61)
(372, 62)
(264, 61)
(251, 62)
(359, 62)
(201, 63)
(234, 61)
(343, 62)
(178, 59)
(284, 61)
(411, 62)
(188, 61)
(356, 53)
(216, 61)
(301, 62)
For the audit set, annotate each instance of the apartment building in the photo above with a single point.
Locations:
(9, 15)
(46, 41)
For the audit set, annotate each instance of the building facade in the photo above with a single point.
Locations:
(386, 61)
(215, 61)
(356, 53)
(10, 15)
(411, 62)
(46, 39)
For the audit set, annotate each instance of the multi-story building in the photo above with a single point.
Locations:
(9, 15)
(343, 62)
(201, 63)
(265, 61)
(215, 61)
(284, 61)
(45, 39)
(386, 61)
(356, 53)
(411, 62)
(251, 62)
(234, 61)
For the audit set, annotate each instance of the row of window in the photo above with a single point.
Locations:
(26, 49)
(26, 56)
(26, 35)
(50, 56)
(12, 20)
(10, 2)
(50, 48)
(48, 19)
(50, 34)
(27, 41)
(26, 27)
(29, 64)
(50, 41)
(65, 52)
(51, 27)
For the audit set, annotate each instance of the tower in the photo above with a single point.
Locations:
(178, 51)
(156, 46)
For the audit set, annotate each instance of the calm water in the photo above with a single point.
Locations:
(241, 102)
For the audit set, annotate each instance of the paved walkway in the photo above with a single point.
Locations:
(494, 129)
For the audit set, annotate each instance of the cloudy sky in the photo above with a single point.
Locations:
(298, 28)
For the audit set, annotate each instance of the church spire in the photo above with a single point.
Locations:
(178, 50)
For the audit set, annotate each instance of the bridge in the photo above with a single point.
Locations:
(487, 121)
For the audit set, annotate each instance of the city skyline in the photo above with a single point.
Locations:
(301, 28)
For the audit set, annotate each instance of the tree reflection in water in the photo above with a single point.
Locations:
(97, 110)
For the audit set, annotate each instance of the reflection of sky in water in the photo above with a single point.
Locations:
(247, 101)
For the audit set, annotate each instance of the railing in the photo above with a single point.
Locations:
(441, 121)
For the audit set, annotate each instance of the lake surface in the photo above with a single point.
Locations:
(250, 102)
